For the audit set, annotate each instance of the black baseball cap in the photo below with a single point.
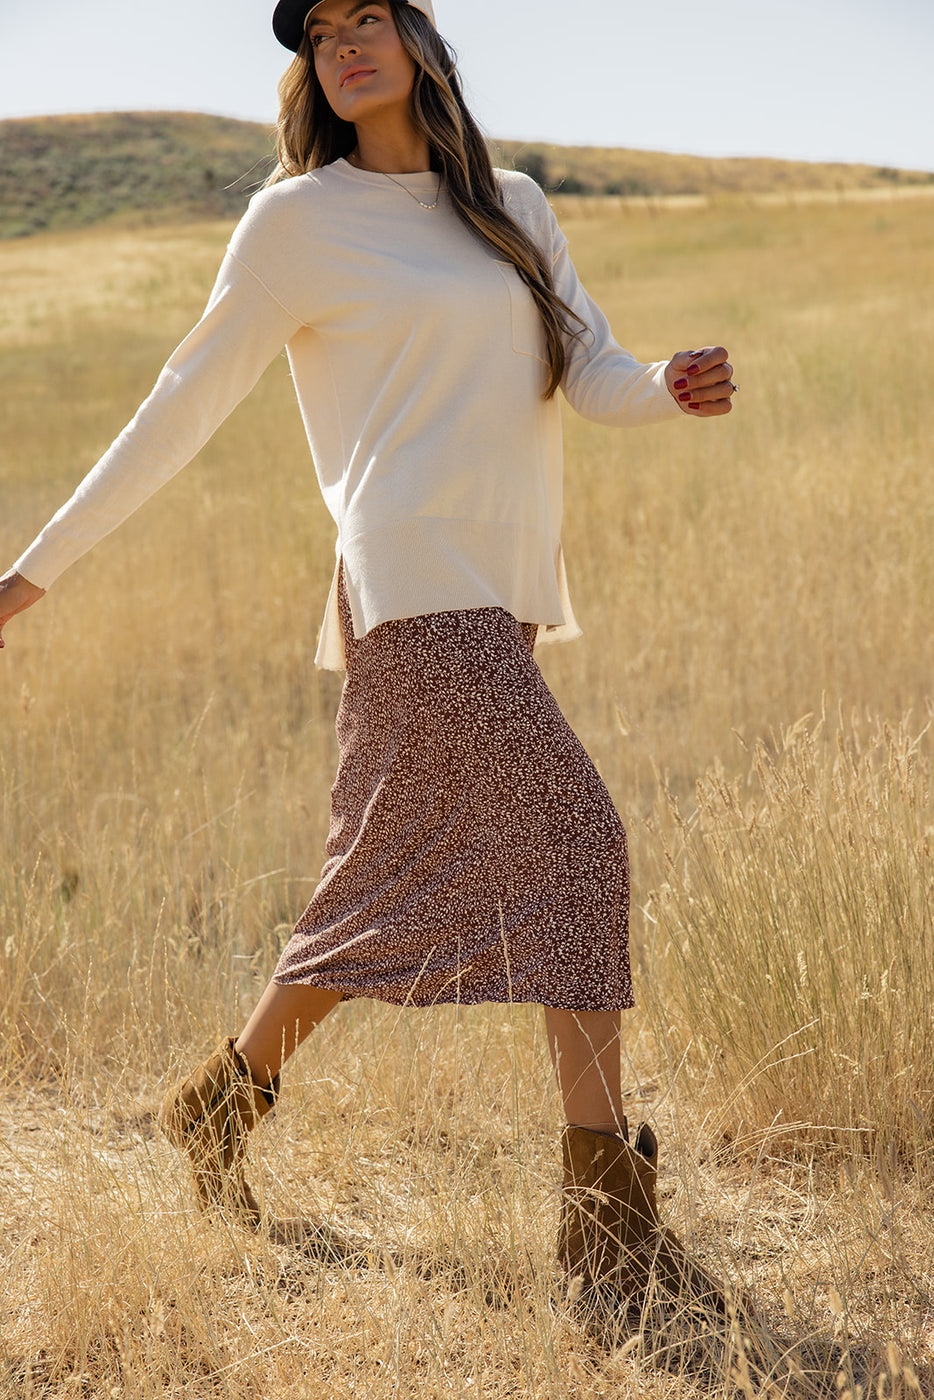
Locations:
(290, 17)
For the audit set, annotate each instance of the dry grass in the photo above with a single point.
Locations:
(755, 684)
(814, 874)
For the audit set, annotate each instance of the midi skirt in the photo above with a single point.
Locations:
(474, 852)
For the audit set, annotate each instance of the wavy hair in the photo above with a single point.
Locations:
(309, 135)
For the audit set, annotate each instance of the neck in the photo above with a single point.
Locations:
(390, 152)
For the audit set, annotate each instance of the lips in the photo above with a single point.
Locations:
(356, 72)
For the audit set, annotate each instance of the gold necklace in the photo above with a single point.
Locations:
(351, 161)
(415, 196)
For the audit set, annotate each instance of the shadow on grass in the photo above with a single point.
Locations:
(317, 1244)
(739, 1352)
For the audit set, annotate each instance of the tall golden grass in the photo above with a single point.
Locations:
(754, 684)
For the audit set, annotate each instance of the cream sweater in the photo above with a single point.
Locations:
(417, 360)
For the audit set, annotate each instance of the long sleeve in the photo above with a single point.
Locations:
(216, 365)
(602, 381)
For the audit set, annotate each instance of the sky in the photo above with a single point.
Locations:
(838, 80)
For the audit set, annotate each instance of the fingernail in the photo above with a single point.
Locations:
(693, 405)
(684, 397)
(695, 354)
(693, 369)
(681, 384)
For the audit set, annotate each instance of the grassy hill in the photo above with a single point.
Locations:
(151, 167)
(591, 170)
(75, 171)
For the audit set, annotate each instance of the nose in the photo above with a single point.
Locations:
(346, 49)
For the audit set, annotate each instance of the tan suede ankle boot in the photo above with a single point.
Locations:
(610, 1236)
(208, 1117)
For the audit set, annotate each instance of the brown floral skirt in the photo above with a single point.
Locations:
(474, 853)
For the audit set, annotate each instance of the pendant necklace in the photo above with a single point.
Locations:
(350, 161)
(415, 196)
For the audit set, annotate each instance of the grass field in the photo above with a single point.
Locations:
(755, 684)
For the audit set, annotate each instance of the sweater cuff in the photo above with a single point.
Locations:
(672, 409)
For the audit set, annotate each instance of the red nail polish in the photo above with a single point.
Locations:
(684, 397)
(681, 384)
(693, 369)
(693, 405)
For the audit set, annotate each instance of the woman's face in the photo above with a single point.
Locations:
(361, 65)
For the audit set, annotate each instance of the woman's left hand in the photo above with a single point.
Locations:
(16, 594)
(701, 381)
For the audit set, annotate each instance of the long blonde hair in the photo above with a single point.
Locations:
(309, 135)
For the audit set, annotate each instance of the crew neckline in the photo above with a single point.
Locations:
(411, 179)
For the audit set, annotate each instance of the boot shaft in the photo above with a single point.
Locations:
(608, 1202)
(208, 1116)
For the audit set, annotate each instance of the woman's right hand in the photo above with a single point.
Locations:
(16, 594)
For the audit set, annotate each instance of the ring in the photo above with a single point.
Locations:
(734, 387)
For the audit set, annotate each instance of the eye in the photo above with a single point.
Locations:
(316, 40)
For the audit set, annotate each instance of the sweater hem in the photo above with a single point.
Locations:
(416, 566)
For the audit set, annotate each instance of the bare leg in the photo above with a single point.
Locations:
(283, 1018)
(585, 1051)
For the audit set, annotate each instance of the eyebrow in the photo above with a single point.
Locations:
(349, 14)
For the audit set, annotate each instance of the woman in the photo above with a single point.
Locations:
(430, 311)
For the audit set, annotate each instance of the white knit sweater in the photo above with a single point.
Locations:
(417, 361)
